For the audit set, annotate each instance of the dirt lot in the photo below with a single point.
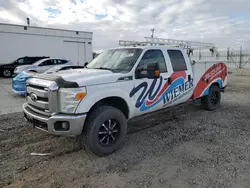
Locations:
(9, 102)
(195, 149)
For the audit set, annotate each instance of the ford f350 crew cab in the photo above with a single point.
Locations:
(120, 84)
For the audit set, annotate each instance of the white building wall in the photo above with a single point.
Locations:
(16, 42)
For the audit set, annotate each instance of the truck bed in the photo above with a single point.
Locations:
(206, 72)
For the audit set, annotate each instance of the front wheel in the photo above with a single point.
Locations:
(7, 73)
(212, 100)
(105, 130)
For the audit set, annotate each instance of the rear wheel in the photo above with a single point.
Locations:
(212, 100)
(105, 130)
(7, 73)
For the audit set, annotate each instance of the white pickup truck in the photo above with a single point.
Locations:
(118, 85)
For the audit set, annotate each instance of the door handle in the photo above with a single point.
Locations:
(169, 80)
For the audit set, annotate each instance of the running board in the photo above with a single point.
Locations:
(172, 111)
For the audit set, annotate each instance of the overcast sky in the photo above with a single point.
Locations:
(224, 22)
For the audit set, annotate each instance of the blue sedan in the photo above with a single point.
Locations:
(19, 82)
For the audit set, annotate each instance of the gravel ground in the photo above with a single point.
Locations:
(194, 149)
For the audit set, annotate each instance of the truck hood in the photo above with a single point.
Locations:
(86, 77)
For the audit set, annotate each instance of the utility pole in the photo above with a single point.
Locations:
(153, 31)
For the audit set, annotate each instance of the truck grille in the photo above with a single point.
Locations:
(40, 98)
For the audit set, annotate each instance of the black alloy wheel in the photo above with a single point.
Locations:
(109, 132)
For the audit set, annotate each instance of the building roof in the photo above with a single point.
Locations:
(44, 28)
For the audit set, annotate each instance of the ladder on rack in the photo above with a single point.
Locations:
(169, 42)
(131, 43)
(181, 43)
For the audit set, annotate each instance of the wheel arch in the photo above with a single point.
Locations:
(114, 101)
(216, 83)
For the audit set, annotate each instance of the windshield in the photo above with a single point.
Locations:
(116, 60)
(18, 61)
(15, 61)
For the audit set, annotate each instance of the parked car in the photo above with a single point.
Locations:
(7, 70)
(19, 82)
(42, 65)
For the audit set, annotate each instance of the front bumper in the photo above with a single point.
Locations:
(47, 124)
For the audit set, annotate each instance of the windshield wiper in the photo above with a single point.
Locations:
(104, 68)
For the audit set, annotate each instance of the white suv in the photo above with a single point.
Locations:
(42, 65)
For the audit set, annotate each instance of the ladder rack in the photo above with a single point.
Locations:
(131, 43)
(184, 43)
(169, 42)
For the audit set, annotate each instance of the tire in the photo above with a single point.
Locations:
(97, 131)
(7, 73)
(212, 100)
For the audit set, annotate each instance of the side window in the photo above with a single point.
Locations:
(29, 60)
(153, 56)
(177, 60)
(59, 61)
(47, 63)
(37, 59)
(20, 61)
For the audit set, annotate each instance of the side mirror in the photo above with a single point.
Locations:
(153, 71)
(85, 64)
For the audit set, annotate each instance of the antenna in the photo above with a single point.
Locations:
(153, 31)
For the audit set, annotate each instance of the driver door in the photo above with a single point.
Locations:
(148, 94)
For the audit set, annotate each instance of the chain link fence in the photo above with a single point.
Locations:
(234, 58)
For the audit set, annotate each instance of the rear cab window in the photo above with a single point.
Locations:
(177, 60)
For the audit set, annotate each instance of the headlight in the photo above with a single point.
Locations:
(70, 98)
(17, 70)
